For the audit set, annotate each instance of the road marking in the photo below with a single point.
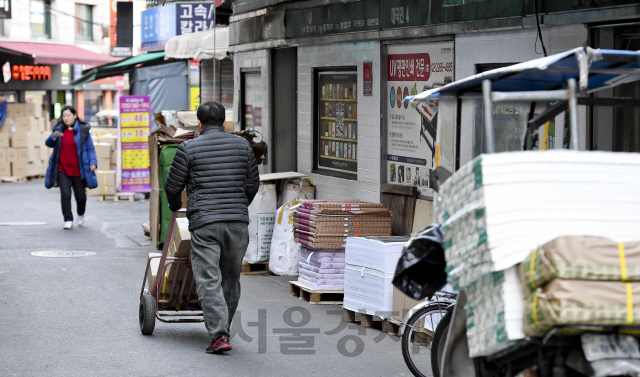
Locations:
(24, 223)
(62, 253)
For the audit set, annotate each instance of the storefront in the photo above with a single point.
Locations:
(41, 73)
(354, 139)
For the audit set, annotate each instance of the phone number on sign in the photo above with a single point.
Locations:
(442, 67)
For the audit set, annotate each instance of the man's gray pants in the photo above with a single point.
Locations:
(216, 258)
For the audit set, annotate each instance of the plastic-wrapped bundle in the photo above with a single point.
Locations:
(284, 257)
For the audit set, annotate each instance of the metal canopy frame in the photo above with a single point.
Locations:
(566, 96)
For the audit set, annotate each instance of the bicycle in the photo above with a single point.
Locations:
(419, 334)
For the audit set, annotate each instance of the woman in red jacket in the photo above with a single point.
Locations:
(76, 162)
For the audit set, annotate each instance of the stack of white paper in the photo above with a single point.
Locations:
(499, 207)
(370, 265)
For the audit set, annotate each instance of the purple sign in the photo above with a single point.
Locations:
(134, 134)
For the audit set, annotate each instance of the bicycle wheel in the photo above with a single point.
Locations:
(438, 343)
(417, 339)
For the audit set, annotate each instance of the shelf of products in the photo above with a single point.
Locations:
(338, 121)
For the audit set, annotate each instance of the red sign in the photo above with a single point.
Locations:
(367, 85)
(31, 72)
(409, 67)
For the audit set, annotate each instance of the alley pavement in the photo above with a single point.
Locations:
(78, 316)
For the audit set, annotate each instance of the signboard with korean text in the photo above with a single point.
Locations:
(367, 81)
(162, 23)
(411, 136)
(134, 134)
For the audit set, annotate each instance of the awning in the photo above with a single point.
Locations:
(593, 69)
(199, 45)
(49, 53)
(118, 68)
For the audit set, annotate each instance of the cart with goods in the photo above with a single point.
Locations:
(168, 289)
(542, 248)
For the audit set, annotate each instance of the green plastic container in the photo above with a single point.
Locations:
(167, 153)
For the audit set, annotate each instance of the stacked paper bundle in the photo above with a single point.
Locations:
(370, 267)
(322, 269)
(322, 228)
(323, 224)
(556, 275)
(499, 207)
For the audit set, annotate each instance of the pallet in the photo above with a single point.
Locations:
(255, 268)
(14, 179)
(316, 296)
(130, 197)
(388, 325)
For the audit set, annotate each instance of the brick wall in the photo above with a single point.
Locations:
(511, 46)
(367, 186)
(259, 60)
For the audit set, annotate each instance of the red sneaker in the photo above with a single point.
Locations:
(219, 345)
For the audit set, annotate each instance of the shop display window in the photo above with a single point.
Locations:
(337, 121)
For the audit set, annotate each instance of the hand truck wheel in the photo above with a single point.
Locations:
(147, 314)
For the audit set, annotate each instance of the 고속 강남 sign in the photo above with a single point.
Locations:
(134, 135)
(411, 138)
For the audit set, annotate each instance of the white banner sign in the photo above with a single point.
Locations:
(410, 137)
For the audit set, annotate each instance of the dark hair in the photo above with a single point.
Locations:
(72, 110)
(211, 114)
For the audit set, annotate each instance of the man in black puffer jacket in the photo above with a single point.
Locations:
(220, 173)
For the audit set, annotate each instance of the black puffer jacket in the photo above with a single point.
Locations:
(221, 176)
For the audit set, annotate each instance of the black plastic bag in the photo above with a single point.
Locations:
(421, 269)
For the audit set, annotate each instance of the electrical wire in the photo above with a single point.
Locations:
(535, 6)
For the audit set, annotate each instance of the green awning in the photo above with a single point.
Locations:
(118, 68)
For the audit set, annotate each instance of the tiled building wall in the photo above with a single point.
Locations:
(512, 46)
(367, 186)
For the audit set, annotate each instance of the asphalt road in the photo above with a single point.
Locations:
(79, 316)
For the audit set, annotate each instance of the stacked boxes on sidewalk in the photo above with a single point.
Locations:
(22, 136)
(322, 228)
(499, 207)
(106, 152)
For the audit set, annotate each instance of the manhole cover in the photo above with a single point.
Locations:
(25, 223)
(62, 253)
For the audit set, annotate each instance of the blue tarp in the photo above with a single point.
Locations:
(604, 68)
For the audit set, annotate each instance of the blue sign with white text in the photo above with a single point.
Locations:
(162, 23)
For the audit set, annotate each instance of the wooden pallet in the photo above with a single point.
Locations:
(255, 268)
(388, 325)
(130, 197)
(316, 296)
(13, 179)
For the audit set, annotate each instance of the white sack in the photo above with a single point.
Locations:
(293, 191)
(285, 252)
(261, 219)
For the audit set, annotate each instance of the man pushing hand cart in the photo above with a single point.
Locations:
(221, 177)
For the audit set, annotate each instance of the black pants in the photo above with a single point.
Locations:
(66, 183)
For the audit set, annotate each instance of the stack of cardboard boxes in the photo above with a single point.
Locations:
(106, 152)
(22, 136)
